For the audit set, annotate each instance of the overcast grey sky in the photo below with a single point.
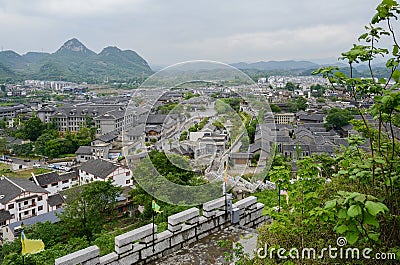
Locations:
(170, 31)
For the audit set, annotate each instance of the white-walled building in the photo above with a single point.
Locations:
(54, 182)
(102, 170)
(22, 199)
(284, 118)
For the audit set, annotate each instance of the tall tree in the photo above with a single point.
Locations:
(90, 208)
(290, 86)
(3, 145)
(32, 128)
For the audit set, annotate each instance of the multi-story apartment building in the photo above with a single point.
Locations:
(10, 112)
(106, 117)
(284, 118)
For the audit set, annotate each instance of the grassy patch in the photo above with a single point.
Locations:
(5, 170)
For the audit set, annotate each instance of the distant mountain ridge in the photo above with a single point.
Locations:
(276, 65)
(292, 65)
(73, 61)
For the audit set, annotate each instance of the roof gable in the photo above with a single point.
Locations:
(98, 167)
(10, 188)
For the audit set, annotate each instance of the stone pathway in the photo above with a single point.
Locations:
(206, 251)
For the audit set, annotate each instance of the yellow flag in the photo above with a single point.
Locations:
(30, 246)
(155, 207)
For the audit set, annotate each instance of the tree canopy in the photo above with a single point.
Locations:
(337, 118)
(89, 207)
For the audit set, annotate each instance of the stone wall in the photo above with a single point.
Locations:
(142, 245)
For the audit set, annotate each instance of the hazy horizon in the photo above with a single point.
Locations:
(165, 33)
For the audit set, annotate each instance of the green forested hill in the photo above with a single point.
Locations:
(73, 61)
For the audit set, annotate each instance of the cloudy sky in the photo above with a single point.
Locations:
(170, 31)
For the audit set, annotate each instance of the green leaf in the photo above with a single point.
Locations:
(375, 207)
(330, 204)
(363, 36)
(351, 237)
(396, 75)
(360, 198)
(342, 214)
(395, 50)
(354, 210)
(341, 229)
(374, 236)
(375, 19)
(370, 220)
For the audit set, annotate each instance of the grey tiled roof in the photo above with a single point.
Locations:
(10, 188)
(42, 218)
(112, 115)
(341, 141)
(108, 137)
(283, 139)
(84, 150)
(155, 119)
(98, 167)
(69, 175)
(53, 177)
(135, 131)
(81, 110)
(47, 178)
(55, 200)
(258, 146)
(311, 117)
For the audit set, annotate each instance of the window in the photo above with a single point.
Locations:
(65, 181)
(128, 181)
(54, 184)
(40, 198)
(10, 206)
(25, 202)
(40, 208)
(127, 173)
(26, 212)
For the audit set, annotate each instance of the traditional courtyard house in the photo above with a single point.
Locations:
(303, 117)
(210, 144)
